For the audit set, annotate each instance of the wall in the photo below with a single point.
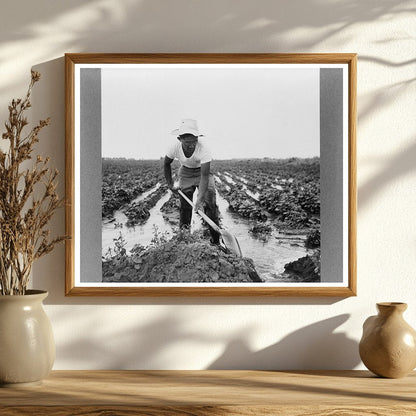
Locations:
(201, 333)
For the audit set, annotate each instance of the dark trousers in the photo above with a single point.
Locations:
(210, 209)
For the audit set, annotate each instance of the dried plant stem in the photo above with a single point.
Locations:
(23, 217)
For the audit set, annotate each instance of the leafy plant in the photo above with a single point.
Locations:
(119, 248)
(28, 199)
(313, 239)
(159, 238)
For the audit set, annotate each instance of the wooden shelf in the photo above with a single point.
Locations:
(202, 393)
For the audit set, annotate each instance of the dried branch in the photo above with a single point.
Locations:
(23, 218)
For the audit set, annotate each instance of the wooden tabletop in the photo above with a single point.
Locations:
(202, 393)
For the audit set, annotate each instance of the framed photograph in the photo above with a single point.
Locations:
(211, 174)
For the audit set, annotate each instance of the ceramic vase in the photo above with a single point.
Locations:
(388, 345)
(27, 347)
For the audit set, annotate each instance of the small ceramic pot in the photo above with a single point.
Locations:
(27, 347)
(388, 345)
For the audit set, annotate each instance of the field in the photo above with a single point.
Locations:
(269, 197)
(282, 192)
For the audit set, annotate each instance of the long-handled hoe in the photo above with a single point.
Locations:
(228, 239)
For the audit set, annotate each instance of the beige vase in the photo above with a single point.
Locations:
(27, 347)
(388, 345)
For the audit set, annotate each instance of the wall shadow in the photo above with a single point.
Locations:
(396, 167)
(241, 27)
(314, 347)
(48, 100)
(151, 26)
(138, 347)
(382, 98)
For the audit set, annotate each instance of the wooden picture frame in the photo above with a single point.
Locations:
(86, 124)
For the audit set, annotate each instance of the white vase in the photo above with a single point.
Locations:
(27, 346)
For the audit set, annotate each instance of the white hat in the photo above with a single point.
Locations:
(188, 126)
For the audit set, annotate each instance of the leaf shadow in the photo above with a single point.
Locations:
(316, 346)
(396, 167)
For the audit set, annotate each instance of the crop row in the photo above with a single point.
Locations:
(256, 173)
(138, 212)
(295, 205)
(240, 202)
(288, 190)
(124, 180)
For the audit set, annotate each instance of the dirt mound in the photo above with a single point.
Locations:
(305, 269)
(186, 258)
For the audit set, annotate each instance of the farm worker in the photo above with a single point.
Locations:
(194, 172)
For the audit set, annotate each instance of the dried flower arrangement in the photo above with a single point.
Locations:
(28, 199)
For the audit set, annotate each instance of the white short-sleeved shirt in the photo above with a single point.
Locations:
(200, 155)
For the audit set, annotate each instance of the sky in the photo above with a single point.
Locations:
(243, 112)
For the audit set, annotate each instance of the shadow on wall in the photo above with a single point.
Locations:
(241, 26)
(48, 99)
(152, 345)
(391, 170)
(314, 347)
(383, 97)
(142, 347)
(151, 26)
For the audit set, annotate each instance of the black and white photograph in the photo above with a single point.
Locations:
(211, 175)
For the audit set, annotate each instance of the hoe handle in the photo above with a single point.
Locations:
(202, 214)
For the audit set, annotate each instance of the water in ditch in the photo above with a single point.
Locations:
(269, 256)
